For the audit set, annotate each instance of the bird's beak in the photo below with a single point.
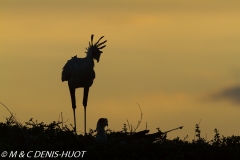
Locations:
(98, 59)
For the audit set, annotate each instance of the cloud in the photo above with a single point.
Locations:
(231, 94)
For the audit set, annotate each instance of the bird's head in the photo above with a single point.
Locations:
(94, 49)
(101, 124)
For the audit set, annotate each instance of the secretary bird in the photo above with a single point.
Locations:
(79, 73)
(101, 133)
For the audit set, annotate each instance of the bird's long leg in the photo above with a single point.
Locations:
(75, 128)
(85, 117)
(85, 99)
(73, 99)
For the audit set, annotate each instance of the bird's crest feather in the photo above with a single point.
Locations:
(96, 45)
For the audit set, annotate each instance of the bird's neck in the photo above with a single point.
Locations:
(100, 130)
(89, 57)
(89, 54)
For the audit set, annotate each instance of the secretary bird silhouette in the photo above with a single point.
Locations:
(101, 133)
(79, 73)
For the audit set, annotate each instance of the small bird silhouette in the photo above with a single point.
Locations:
(79, 73)
(101, 133)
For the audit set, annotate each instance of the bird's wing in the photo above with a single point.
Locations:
(79, 71)
(66, 72)
(71, 67)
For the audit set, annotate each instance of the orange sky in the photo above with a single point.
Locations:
(178, 60)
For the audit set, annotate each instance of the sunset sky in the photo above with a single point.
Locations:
(179, 60)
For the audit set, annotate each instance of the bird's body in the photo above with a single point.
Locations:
(79, 73)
